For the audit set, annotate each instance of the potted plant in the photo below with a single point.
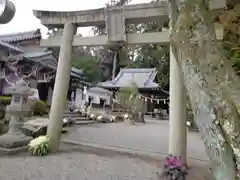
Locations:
(174, 168)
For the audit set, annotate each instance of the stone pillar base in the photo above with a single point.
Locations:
(12, 141)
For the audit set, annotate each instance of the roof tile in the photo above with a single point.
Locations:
(14, 37)
(143, 78)
(11, 47)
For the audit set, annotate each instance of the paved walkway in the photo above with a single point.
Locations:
(149, 137)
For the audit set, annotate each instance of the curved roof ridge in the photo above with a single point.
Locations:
(20, 36)
(143, 74)
(15, 48)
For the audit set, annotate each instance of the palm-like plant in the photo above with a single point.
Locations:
(39, 146)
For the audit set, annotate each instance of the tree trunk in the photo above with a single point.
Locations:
(211, 84)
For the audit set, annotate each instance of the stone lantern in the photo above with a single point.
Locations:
(17, 110)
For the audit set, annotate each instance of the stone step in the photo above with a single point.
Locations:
(86, 122)
(67, 111)
(72, 115)
(80, 119)
(71, 112)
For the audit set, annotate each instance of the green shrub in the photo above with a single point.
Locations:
(2, 111)
(41, 108)
(38, 107)
(5, 100)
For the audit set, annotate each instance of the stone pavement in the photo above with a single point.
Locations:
(151, 137)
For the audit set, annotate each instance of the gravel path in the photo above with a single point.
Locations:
(70, 164)
(75, 166)
(150, 137)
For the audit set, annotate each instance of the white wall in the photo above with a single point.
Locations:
(80, 98)
(79, 101)
(100, 95)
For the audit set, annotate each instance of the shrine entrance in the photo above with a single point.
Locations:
(115, 19)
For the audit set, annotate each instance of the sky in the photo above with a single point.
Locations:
(25, 21)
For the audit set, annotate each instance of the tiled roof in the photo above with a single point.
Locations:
(77, 71)
(74, 71)
(10, 47)
(75, 75)
(41, 53)
(36, 54)
(143, 78)
(32, 55)
(21, 36)
(99, 89)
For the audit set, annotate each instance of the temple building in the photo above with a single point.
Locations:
(144, 78)
(22, 57)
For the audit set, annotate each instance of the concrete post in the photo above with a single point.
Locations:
(61, 87)
(177, 111)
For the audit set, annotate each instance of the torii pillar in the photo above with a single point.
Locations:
(177, 111)
(61, 87)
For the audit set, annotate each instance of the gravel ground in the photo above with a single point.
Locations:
(75, 166)
(151, 137)
(70, 164)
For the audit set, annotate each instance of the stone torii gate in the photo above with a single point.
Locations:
(115, 19)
